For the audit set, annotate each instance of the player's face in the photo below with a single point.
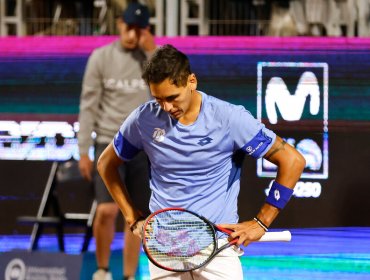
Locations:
(177, 101)
(129, 35)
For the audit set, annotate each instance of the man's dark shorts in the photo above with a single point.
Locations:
(135, 174)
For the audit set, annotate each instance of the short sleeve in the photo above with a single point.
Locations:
(127, 141)
(249, 134)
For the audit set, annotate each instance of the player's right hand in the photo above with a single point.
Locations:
(138, 229)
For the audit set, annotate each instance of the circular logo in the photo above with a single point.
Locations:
(15, 270)
(249, 149)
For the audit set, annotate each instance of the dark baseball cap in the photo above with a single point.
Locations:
(136, 14)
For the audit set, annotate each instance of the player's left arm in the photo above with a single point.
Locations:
(289, 161)
(290, 165)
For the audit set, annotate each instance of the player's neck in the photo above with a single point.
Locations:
(192, 114)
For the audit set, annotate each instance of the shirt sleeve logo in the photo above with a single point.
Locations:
(158, 134)
(257, 145)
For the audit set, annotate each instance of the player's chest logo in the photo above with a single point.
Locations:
(158, 134)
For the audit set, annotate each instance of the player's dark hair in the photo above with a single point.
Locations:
(167, 62)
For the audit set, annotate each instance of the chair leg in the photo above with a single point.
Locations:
(35, 236)
(87, 239)
(60, 235)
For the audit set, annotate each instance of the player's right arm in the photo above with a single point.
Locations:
(108, 164)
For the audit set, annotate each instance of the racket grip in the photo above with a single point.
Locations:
(276, 236)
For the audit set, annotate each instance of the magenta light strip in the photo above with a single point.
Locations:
(18, 117)
(78, 45)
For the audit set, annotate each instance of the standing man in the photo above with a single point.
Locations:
(190, 138)
(112, 88)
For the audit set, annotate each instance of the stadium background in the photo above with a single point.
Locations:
(236, 48)
(41, 80)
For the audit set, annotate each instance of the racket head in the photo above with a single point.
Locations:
(178, 240)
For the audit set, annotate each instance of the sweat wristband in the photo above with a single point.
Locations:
(279, 195)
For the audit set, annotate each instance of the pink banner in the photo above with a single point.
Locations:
(70, 45)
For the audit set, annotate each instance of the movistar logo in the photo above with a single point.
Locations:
(205, 141)
(250, 149)
(307, 102)
(291, 105)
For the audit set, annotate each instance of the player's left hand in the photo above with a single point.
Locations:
(246, 232)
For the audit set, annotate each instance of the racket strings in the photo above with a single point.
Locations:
(179, 240)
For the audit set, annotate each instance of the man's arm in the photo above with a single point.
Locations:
(290, 165)
(146, 42)
(107, 166)
(89, 103)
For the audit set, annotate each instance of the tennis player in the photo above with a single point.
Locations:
(112, 88)
(190, 138)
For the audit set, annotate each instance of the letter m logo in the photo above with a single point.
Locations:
(292, 100)
(291, 105)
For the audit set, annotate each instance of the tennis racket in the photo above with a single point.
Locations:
(179, 240)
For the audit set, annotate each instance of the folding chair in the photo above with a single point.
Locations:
(61, 173)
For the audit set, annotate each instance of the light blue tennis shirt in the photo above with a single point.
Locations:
(192, 165)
